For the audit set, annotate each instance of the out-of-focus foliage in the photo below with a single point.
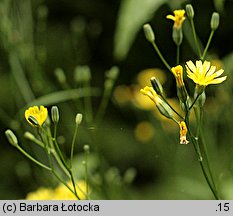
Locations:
(134, 152)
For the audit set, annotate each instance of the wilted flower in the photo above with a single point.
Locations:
(178, 73)
(183, 132)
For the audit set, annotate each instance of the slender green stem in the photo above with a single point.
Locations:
(59, 178)
(177, 54)
(161, 56)
(172, 107)
(88, 104)
(72, 145)
(86, 173)
(189, 109)
(205, 149)
(200, 158)
(207, 45)
(33, 159)
(195, 38)
(196, 145)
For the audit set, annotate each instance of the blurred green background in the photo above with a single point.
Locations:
(140, 158)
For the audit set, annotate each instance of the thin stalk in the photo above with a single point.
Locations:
(57, 176)
(196, 145)
(86, 173)
(207, 45)
(72, 145)
(88, 104)
(195, 38)
(161, 56)
(33, 159)
(177, 54)
(205, 149)
(172, 107)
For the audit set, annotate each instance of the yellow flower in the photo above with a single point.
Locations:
(41, 194)
(162, 106)
(61, 192)
(204, 74)
(150, 92)
(183, 132)
(38, 114)
(178, 18)
(178, 73)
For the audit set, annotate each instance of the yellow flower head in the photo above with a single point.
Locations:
(150, 92)
(183, 132)
(204, 74)
(38, 114)
(178, 73)
(178, 18)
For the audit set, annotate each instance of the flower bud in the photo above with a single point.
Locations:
(149, 33)
(60, 75)
(156, 85)
(164, 109)
(29, 135)
(33, 121)
(112, 73)
(201, 100)
(12, 139)
(214, 23)
(78, 118)
(55, 114)
(82, 74)
(177, 35)
(86, 148)
(189, 11)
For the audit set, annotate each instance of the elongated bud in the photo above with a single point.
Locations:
(189, 11)
(156, 85)
(33, 121)
(82, 74)
(60, 75)
(12, 139)
(164, 109)
(112, 73)
(78, 118)
(111, 76)
(149, 33)
(177, 35)
(214, 23)
(86, 148)
(55, 114)
(28, 135)
(201, 100)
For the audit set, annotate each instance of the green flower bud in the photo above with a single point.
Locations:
(55, 114)
(112, 73)
(86, 148)
(214, 22)
(29, 135)
(156, 85)
(12, 139)
(82, 74)
(78, 118)
(60, 75)
(33, 121)
(189, 11)
(177, 35)
(149, 33)
(201, 100)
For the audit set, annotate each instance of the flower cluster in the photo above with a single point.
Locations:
(201, 72)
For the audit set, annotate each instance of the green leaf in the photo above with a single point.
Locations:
(132, 15)
(61, 96)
